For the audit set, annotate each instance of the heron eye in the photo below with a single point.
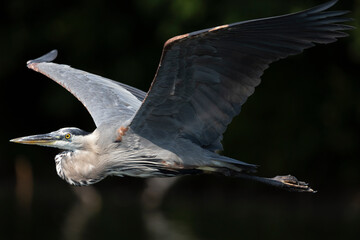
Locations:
(68, 136)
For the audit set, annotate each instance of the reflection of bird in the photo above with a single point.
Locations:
(202, 81)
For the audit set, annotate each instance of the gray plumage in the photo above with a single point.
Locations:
(202, 81)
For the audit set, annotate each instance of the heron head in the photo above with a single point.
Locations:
(65, 138)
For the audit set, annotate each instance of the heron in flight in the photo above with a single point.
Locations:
(176, 128)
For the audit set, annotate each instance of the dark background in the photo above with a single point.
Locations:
(303, 119)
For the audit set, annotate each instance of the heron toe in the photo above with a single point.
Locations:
(291, 183)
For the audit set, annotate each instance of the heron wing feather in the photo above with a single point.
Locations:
(204, 77)
(105, 99)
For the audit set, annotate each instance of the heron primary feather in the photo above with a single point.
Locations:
(176, 128)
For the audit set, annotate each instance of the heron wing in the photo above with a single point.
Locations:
(139, 94)
(204, 77)
(105, 99)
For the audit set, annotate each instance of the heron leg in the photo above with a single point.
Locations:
(287, 182)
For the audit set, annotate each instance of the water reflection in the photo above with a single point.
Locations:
(193, 208)
(24, 185)
(87, 206)
(157, 225)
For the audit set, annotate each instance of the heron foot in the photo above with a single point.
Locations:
(292, 184)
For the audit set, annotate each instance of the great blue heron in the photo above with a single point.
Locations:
(176, 128)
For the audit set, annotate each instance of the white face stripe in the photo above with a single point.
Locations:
(71, 130)
(73, 142)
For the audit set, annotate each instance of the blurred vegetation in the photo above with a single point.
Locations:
(303, 119)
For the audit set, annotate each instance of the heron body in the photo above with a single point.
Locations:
(203, 79)
(94, 158)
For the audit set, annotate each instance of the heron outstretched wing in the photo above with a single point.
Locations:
(105, 99)
(204, 77)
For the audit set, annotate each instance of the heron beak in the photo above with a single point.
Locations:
(47, 139)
